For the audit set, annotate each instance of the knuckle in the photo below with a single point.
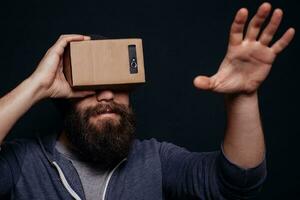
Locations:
(49, 51)
(62, 38)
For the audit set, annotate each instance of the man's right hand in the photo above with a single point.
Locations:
(49, 75)
(47, 81)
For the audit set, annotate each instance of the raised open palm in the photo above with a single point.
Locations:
(249, 57)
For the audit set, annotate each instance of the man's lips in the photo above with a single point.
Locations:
(103, 115)
(106, 111)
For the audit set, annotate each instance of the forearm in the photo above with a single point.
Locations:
(244, 140)
(14, 104)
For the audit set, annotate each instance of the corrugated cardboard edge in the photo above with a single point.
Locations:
(67, 65)
(126, 86)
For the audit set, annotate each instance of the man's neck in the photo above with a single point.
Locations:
(64, 140)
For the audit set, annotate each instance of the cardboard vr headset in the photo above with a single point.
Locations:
(104, 64)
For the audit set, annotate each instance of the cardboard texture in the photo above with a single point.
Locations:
(109, 63)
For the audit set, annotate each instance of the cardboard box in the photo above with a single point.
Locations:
(107, 63)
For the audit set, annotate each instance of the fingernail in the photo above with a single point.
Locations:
(87, 38)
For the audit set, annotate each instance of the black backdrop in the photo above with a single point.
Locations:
(181, 39)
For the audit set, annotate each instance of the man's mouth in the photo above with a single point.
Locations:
(107, 110)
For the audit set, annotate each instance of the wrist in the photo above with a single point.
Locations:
(241, 102)
(240, 97)
(36, 89)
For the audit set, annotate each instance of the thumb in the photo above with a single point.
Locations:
(203, 83)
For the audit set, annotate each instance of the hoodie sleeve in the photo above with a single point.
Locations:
(207, 175)
(11, 154)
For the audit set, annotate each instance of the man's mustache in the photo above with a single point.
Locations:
(102, 108)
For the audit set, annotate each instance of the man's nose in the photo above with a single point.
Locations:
(104, 95)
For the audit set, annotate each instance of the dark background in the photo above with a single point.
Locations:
(181, 40)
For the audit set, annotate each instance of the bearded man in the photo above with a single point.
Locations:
(97, 156)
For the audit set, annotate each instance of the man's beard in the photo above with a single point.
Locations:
(105, 142)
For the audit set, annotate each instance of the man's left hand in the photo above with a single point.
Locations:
(249, 57)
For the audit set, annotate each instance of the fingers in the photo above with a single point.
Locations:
(63, 40)
(203, 82)
(257, 21)
(270, 30)
(284, 41)
(254, 28)
(237, 27)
